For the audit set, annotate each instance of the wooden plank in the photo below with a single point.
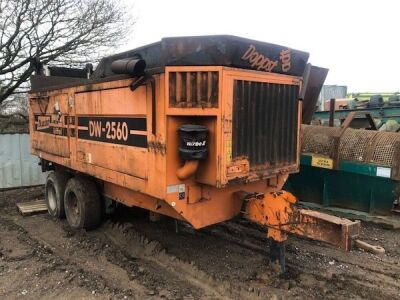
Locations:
(27, 208)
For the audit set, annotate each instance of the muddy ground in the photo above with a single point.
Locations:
(129, 257)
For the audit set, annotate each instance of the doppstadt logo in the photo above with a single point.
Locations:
(43, 122)
(261, 62)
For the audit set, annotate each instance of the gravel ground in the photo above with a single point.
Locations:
(129, 257)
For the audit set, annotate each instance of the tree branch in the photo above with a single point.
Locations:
(69, 31)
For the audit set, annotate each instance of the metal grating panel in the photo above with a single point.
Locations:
(318, 139)
(384, 148)
(358, 145)
(193, 89)
(355, 143)
(265, 118)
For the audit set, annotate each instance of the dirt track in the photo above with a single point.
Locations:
(130, 257)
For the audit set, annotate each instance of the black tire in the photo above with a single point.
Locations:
(82, 202)
(54, 193)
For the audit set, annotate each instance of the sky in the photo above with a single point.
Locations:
(358, 41)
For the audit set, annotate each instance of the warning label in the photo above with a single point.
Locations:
(322, 162)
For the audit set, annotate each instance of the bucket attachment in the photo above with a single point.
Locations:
(278, 212)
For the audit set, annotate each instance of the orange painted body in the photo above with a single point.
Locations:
(147, 176)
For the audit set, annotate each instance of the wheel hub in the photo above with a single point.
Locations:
(51, 197)
(73, 206)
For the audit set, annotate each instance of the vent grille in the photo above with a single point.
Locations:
(265, 118)
(193, 89)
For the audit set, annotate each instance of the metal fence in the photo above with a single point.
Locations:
(18, 168)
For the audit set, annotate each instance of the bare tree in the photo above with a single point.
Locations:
(66, 32)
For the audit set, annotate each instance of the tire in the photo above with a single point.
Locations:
(83, 207)
(54, 193)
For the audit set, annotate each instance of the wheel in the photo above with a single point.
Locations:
(83, 207)
(54, 193)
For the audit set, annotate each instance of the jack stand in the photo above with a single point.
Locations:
(278, 212)
(176, 227)
(277, 256)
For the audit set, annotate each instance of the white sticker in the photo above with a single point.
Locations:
(71, 101)
(176, 188)
(172, 188)
(181, 188)
(56, 107)
(173, 204)
(383, 172)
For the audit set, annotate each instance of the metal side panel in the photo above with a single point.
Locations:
(312, 89)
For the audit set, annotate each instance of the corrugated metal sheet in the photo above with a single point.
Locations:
(331, 91)
(17, 166)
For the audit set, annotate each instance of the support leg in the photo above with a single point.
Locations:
(278, 212)
(277, 256)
